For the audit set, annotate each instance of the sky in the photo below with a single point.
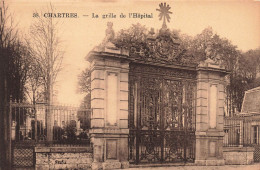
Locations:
(238, 21)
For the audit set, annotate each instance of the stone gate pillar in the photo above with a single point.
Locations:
(210, 114)
(109, 102)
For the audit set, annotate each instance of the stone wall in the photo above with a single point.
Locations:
(238, 155)
(63, 158)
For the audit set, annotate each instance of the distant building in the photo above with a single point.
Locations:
(251, 102)
(251, 112)
(244, 128)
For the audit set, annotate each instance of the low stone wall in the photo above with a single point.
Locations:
(238, 155)
(63, 158)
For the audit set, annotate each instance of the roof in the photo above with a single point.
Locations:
(251, 102)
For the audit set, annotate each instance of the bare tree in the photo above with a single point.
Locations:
(45, 49)
(35, 83)
(84, 81)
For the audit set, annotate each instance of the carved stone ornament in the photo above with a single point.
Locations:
(162, 47)
(110, 34)
(107, 44)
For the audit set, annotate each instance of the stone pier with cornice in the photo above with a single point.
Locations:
(109, 102)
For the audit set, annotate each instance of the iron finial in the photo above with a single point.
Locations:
(164, 14)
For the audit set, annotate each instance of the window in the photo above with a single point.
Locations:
(255, 134)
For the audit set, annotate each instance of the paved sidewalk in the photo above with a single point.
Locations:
(255, 166)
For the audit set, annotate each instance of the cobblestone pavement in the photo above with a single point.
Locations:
(255, 166)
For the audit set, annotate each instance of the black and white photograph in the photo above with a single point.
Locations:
(121, 84)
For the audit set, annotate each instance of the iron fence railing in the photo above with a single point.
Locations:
(242, 130)
(29, 124)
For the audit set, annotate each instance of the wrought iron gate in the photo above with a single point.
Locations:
(162, 114)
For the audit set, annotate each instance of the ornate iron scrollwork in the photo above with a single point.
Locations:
(162, 113)
(163, 47)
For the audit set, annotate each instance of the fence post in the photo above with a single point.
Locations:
(9, 134)
(49, 123)
(35, 123)
(241, 133)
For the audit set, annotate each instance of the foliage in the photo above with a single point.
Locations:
(83, 114)
(13, 58)
(210, 45)
(58, 133)
(244, 77)
(13, 72)
(70, 131)
(84, 81)
(250, 67)
(133, 39)
(83, 135)
(243, 67)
